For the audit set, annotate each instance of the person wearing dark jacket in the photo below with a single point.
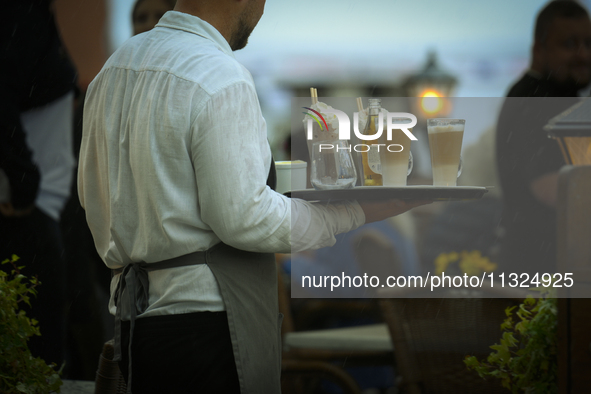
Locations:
(37, 84)
(528, 161)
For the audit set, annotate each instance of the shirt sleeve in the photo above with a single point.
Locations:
(231, 159)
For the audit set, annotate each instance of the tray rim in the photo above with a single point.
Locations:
(340, 194)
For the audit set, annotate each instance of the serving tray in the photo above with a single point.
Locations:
(414, 192)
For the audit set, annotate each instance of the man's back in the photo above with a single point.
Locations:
(152, 179)
(141, 113)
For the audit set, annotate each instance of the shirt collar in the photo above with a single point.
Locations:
(192, 24)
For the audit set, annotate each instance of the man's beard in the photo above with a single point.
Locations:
(240, 36)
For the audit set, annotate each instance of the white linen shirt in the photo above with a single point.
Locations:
(175, 158)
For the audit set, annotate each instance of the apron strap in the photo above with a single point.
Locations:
(134, 278)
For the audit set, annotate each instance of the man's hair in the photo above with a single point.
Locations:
(556, 9)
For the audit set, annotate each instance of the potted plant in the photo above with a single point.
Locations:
(20, 372)
(525, 360)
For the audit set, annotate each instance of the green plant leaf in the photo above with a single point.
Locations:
(20, 372)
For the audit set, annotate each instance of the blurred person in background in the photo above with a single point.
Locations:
(528, 161)
(146, 13)
(37, 85)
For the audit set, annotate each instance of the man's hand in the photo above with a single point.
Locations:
(380, 210)
(6, 209)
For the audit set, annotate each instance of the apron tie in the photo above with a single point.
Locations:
(134, 279)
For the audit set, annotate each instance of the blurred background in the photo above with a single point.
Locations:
(344, 48)
(471, 50)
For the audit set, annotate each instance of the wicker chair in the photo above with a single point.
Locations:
(109, 379)
(432, 336)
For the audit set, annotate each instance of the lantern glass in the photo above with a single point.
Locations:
(576, 150)
(432, 86)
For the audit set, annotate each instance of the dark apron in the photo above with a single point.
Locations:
(248, 285)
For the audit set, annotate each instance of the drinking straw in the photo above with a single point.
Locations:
(359, 104)
(314, 94)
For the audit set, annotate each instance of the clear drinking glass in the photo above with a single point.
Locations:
(332, 166)
(445, 145)
(396, 158)
(395, 172)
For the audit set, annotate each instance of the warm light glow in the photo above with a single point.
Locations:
(431, 102)
(579, 150)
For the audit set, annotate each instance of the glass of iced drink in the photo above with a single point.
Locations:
(332, 166)
(395, 157)
(445, 144)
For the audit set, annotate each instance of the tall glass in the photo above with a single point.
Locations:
(445, 145)
(396, 157)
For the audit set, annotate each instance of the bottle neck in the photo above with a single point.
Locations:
(374, 107)
(372, 111)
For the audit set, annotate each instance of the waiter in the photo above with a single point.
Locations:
(176, 179)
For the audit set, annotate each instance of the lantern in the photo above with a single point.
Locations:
(572, 130)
